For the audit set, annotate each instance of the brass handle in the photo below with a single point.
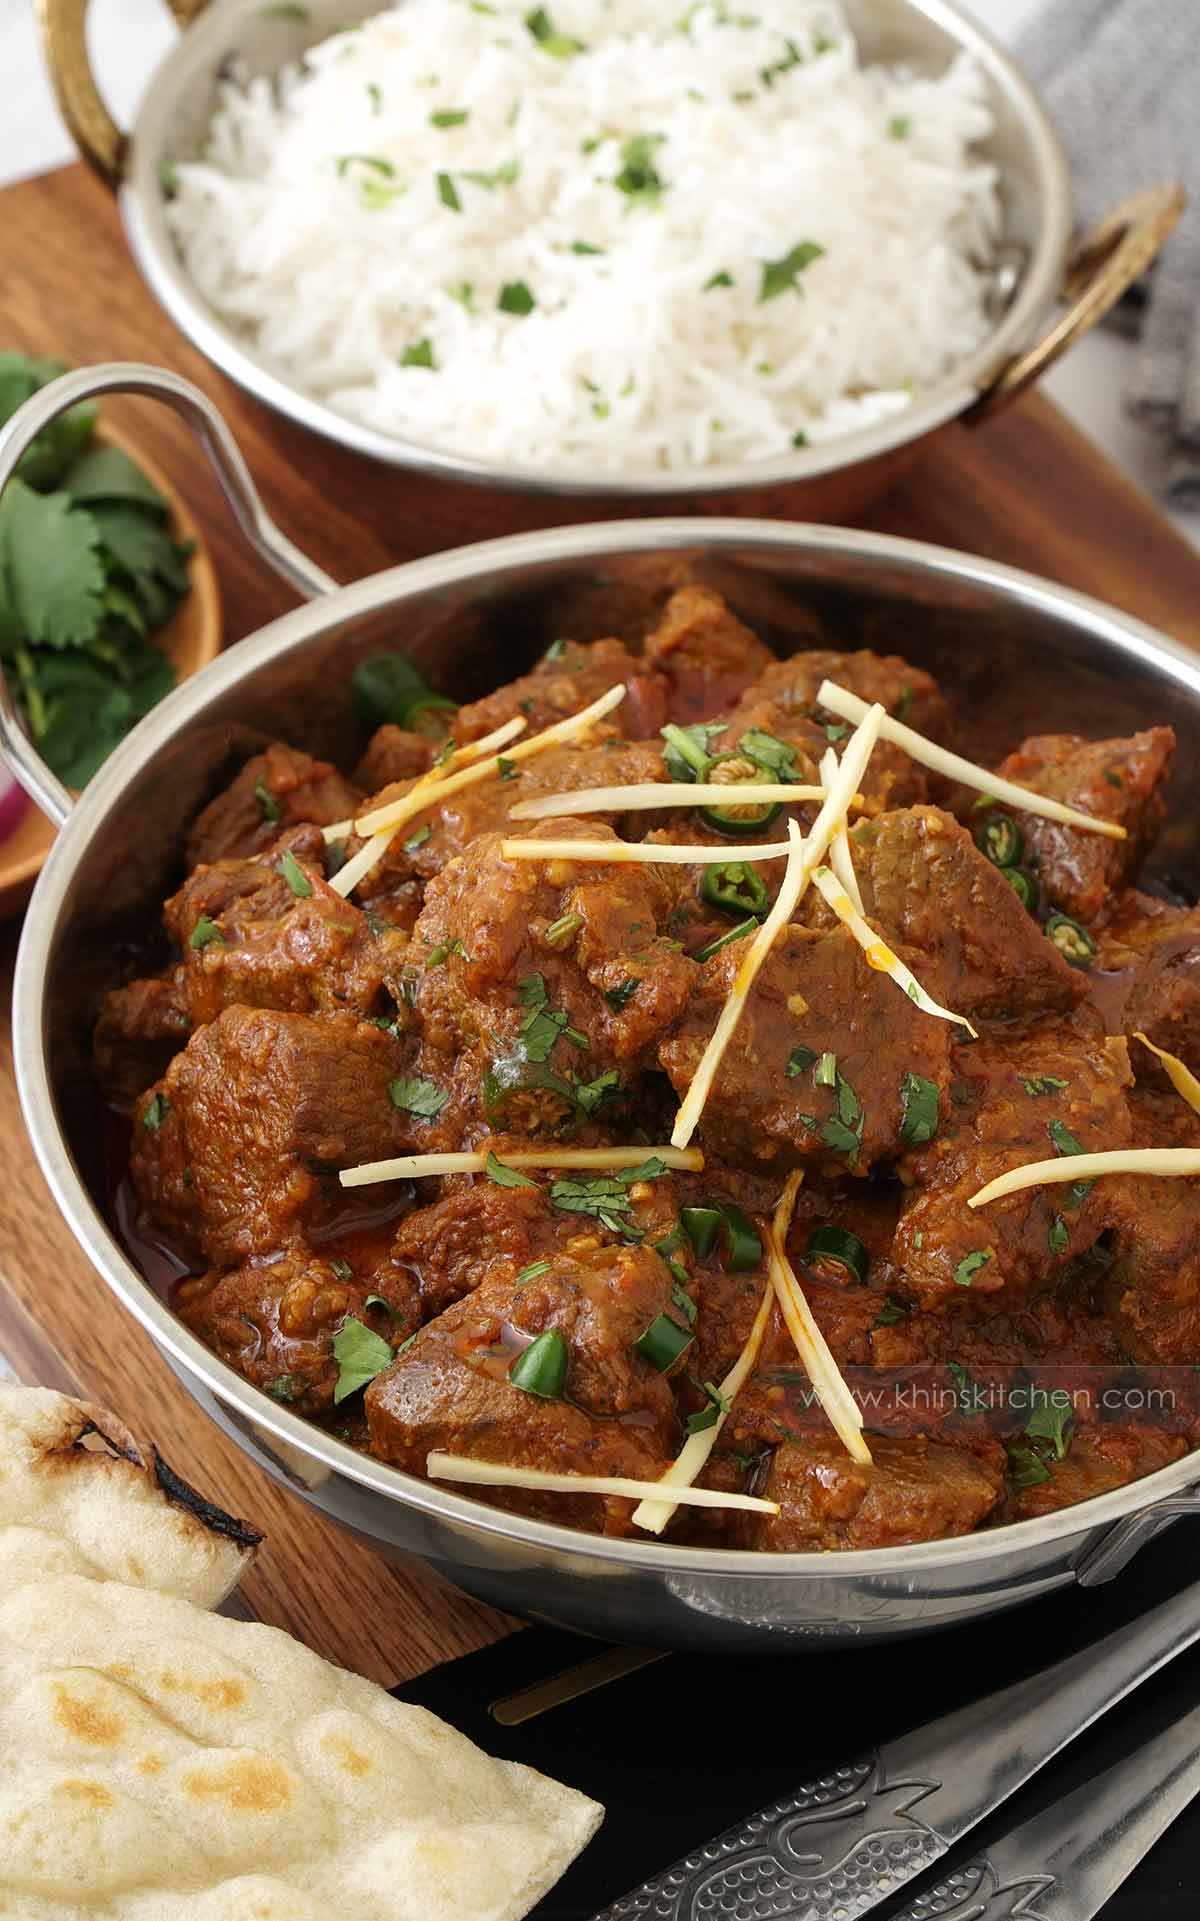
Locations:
(1102, 267)
(90, 124)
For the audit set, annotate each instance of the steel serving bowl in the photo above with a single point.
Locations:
(831, 481)
(1011, 648)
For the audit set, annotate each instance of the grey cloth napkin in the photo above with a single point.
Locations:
(1122, 81)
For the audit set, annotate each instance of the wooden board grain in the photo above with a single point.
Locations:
(1026, 489)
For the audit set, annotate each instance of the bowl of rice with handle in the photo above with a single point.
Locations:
(607, 248)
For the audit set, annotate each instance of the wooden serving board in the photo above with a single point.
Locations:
(1027, 489)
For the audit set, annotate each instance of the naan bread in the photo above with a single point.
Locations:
(166, 1764)
(78, 1496)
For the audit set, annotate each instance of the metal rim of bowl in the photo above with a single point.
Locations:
(210, 37)
(496, 557)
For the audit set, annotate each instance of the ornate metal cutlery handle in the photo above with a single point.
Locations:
(829, 1852)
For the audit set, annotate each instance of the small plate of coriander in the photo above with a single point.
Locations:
(108, 599)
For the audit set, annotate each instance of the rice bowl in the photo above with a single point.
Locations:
(584, 264)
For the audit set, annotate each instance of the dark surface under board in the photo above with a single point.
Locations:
(685, 1747)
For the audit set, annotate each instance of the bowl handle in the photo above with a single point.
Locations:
(90, 124)
(256, 525)
(1102, 267)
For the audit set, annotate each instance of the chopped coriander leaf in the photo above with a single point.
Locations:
(542, 1368)
(441, 953)
(360, 1356)
(420, 354)
(555, 650)
(708, 1416)
(464, 292)
(799, 1060)
(639, 178)
(782, 276)
(155, 1112)
(342, 1271)
(837, 730)
(904, 704)
(375, 96)
(775, 755)
(590, 1095)
(1037, 1084)
(681, 1299)
(448, 117)
(620, 995)
(899, 127)
(792, 58)
(919, 1111)
(848, 1107)
(372, 160)
(800, 438)
(1064, 1141)
(267, 802)
(516, 298)
(607, 1199)
(825, 1072)
(505, 1176)
(842, 1139)
(1052, 1420)
(542, 27)
(204, 933)
(531, 1272)
(585, 247)
(507, 769)
(968, 1267)
(889, 1313)
(416, 841)
(285, 1388)
(448, 193)
(1026, 1468)
(418, 1097)
(1058, 1235)
(721, 279)
(295, 875)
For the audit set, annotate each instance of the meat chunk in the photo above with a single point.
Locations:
(1097, 1460)
(393, 753)
(320, 952)
(452, 1389)
(567, 678)
(139, 1028)
(552, 978)
(915, 1490)
(924, 881)
(816, 1070)
(479, 1231)
(907, 692)
(1019, 1094)
(245, 889)
(705, 653)
(782, 702)
(458, 821)
(1152, 1288)
(1114, 780)
(273, 792)
(1146, 977)
(233, 1144)
(275, 1319)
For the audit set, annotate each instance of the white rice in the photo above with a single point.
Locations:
(315, 226)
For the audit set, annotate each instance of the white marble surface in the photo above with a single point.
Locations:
(129, 36)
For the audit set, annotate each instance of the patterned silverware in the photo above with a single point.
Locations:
(843, 1843)
(1065, 1863)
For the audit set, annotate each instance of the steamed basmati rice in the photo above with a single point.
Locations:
(597, 238)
